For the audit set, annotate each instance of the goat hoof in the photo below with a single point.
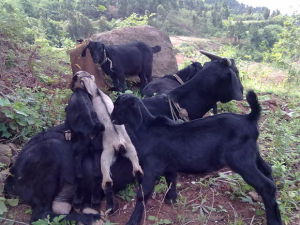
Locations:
(170, 201)
(171, 198)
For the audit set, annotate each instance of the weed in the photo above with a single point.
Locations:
(159, 221)
(59, 220)
(128, 193)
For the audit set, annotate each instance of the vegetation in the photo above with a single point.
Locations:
(35, 73)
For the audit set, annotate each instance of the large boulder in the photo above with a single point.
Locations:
(86, 64)
(164, 62)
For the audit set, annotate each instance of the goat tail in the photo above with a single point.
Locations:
(156, 49)
(252, 100)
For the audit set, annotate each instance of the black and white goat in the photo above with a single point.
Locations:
(45, 175)
(217, 81)
(115, 137)
(200, 146)
(118, 61)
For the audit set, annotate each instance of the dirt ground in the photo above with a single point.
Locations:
(196, 204)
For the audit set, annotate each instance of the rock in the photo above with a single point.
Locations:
(164, 62)
(254, 196)
(85, 63)
(7, 153)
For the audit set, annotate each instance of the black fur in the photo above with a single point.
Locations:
(168, 82)
(200, 146)
(43, 167)
(48, 163)
(83, 122)
(128, 59)
(217, 81)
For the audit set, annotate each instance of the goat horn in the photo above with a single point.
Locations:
(210, 55)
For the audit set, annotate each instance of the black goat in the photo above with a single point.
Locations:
(217, 81)
(119, 60)
(84, 125)
(200, 146)
(169, 82)
(43, 175)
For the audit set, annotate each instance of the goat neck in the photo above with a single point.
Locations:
(197, 96)
(185, 74)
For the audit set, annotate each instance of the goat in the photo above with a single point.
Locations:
(204, 145)
(43, 175)
(217, 81)
(169, 82)
(115, 138)
(119, 60)
(83, 123)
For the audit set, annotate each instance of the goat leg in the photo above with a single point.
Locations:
(132, 156)
(107, 157)
(263, 185)
(108, 191)
(171, 195)
(143, 195)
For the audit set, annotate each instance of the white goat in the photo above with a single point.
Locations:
(114, 136)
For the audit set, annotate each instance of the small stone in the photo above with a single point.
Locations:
(254, 196)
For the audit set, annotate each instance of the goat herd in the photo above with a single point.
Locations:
(103, 146)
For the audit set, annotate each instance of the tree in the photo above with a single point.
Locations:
(161, 11)
(266, 13)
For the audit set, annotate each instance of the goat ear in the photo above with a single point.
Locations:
(226, 62)
(83, 53)
(137, 116)
(85, 87)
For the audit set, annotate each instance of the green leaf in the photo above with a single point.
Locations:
(22, 123)
(152, 218)
(21, 113)
(8, 113)
(58, 219)
(12, 126)
(12, 202)
(4, 102)
(4, 131)
(28, 211)
(3, 208)
(259, 212)
(128, 92)
(166, 221)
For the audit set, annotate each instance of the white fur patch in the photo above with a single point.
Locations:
(114, 136)
(90, 211)
(61, 207)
